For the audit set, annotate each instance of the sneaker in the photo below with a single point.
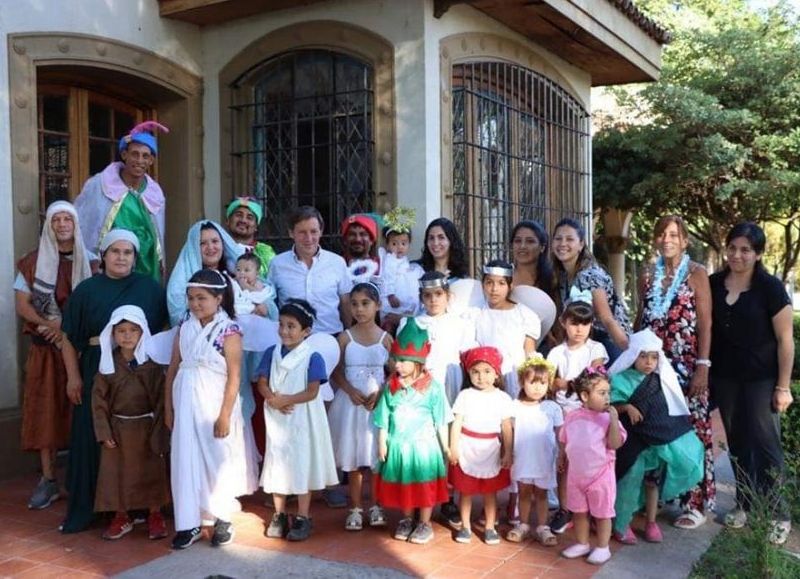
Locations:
(355, 520)
(335, 498)
(491, 537)
(223, 534)
(575, 551)
(185, 539)
(519, 533)
(120, 526)
(44, 494)
(451, 513)
(422, 535)
(736, 519)
(779, 532)
(404, 529)
(599, 556)
(561, 521)
(278, 526)
(377, 518)
(464, 536)
(301, 529)
(156, 527)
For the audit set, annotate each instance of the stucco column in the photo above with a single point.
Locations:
(616, 225)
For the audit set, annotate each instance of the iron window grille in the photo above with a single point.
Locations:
(305, 138)
(521, 150)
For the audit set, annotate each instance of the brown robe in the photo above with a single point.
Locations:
(46, 410)
(134, 474)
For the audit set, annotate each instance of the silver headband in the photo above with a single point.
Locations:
(497, 270)
(432, 283)
(303, 309)
(210, 285)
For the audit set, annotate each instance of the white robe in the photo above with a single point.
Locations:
(298, 457)
(208, 473)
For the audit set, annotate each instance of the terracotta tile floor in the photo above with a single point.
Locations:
(33, 547)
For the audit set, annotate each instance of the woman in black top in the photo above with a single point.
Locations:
(752, 354)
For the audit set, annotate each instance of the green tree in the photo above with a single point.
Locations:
(717, 139)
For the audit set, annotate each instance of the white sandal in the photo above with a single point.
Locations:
(545, 536)
(693, 518)
(377, 518)
(354, 521)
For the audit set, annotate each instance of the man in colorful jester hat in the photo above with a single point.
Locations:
(124, 196)
(359, 242)
(243, 216)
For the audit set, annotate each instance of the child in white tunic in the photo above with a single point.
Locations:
(298, 455)
(536, 421)
(481, 440)
(573, 356)
(359, 375)
(449, 333)
(510, 327)
(251, 295)
(202, 404)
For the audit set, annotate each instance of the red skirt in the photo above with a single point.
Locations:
(411, 495)
(470, 485)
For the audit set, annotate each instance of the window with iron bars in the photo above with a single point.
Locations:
(305, 138)
(521, 150)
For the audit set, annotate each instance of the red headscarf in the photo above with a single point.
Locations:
(486, 354)
(364, 221)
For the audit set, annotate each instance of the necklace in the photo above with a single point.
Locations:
(660, 300)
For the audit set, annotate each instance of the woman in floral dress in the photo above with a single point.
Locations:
(675, 302)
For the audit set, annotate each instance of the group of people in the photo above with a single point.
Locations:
(417, 384)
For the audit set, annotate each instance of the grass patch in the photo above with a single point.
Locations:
(735, 554)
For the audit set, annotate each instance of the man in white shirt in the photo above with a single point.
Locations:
(314, 274)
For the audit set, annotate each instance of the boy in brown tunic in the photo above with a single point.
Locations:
(128, 408)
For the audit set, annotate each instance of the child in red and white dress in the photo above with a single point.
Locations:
(481, 440)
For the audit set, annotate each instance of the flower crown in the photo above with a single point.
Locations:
(400, 219)
(596, 371)
(534, 361)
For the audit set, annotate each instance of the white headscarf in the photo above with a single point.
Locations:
(119, 235)
(47, 259)
(133, 314)
(647, 341)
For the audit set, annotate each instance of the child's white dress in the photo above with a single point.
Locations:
(352, 431)
(570, 363)
(298, 457)
(399, 277)
(245, 300)
(208, 473)
(535, 447)
(449, 335)
(506, 330)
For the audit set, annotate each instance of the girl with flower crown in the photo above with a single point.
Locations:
(676, 305)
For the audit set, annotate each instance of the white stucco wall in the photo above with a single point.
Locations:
(133, 21)
(415, 34)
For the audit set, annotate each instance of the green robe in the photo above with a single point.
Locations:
(679, 463)
(86, 313)
(134, 216)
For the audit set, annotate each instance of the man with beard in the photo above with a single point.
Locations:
(124, 196)
(359, 237)
(243, 217)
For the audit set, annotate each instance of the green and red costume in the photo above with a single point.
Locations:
(414, 474)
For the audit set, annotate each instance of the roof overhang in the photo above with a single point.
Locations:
(609, 39)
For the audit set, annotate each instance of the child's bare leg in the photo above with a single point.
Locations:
(279, 502)
(303, 504)
(490, 509)
(425, 514)
(651, 501)
(408, 513)
(540, 498)
(603, 532)
(465, 506)
(525, 491)
(355, 482)
(511, 507)
(581, 522)
(562, 490)
(47, 458)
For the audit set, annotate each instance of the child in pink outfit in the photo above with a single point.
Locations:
(589, 439)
